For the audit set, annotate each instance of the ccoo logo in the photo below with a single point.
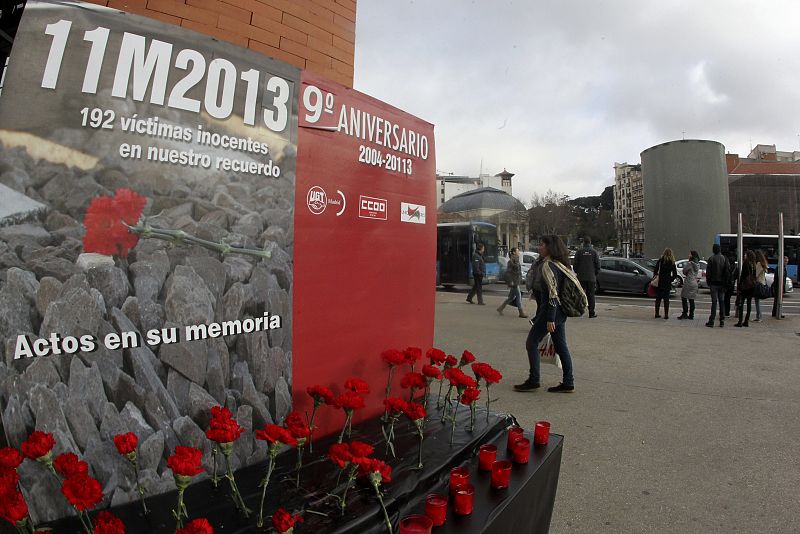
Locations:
(317, 200)
(372, 208)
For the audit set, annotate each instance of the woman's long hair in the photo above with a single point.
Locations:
(556, 249)
(750, 258)
(762, 259)
(694, 256)
(668, 256)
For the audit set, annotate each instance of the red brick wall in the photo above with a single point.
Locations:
(318, 35)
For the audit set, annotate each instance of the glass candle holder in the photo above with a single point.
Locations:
(522, 451)
(541, 433)
(459, 476)
(436, 508)
(487, 455)
(501, 474)
(416, 524)
(464, 500)
(513, 433)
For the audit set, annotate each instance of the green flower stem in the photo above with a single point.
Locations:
(346, 428)
(421, 432)
(376, 485)
(311, 427)
(350, 478)
(446, 402)
(83, 519)
(427, 392)
(139, 488)
(487, 402)
(273, 452)
(179, 236)
(214, 477)
(390, 437)
(387, 391)
(439, 395)
(237, 497)
(299, 464)
(453, 424)
(472, 416)
(182, 511)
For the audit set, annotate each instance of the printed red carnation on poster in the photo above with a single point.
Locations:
(107, 220)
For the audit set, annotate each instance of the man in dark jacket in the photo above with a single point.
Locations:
(717, 277)
(587, 267)
(478, 272)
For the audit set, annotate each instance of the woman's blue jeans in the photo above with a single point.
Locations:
(535, 336)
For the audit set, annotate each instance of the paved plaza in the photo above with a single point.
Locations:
(673, 427)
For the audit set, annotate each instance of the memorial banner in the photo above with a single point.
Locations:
(147, 180)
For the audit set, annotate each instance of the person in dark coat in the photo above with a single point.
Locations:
(587, 267)
(730, 288)
(746, 288)
(717, 278)
(514, 280)
(776, 284)
(478, 272)
(666, 272)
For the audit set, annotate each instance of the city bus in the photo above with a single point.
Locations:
(768, 244)
(455, 243)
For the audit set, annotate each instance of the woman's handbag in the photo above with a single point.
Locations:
(763, 291)
(547, 351)
(748, 283)
(654, 281)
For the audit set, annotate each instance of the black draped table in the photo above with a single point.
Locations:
(526, 506)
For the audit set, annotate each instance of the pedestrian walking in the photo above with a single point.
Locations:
(730, 286)
(587, 267)
(664, 273)
(549, 316)
(776, 286)
(690, 286)
(478, 272)
(746, 287)
(717, 277)
(761, 282)
(513, 280)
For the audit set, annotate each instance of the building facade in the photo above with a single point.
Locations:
(317, 35)
(487, 204)
(629, 207)
(449, 186)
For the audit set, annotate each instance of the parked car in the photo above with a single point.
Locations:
(625, 275)
(770, 278)
(702, 283)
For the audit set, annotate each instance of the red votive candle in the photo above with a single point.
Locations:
(464, 500)
(541, 433)
(416, 524)
(486, 457)
(513, 433)
(522, 451)
(459, 476)
(436, 508)
(501, 474)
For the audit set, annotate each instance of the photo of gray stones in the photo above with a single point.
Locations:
(162, 394)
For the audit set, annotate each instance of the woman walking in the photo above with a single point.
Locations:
(513, 279)
(549, 316)
(689, 291)
(746, 287)
(665, 272)
(761, 280)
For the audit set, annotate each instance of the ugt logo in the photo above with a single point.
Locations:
(317, 200)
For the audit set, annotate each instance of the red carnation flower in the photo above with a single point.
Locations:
(466, 358)
(470, 395)
(458, 379)
(350, 400)
(10, 458)
(359, 449)
(185, 461)
(69, 465)
(414, 411)
(196, 526)
(394, 404)
(106, 219)
(436, 356)
(126, 443)
(321, 394)
(82, 491)
(38, 445)
(13, 507)
(413, 380)
(432, 372)
(412, 354)
(357, 385)
(295, 424)
(283, 521)
(450, 361)
(275, 434)
(393, 357)
(223, 428)
(108, 523)
(8, 482)
(339, 454)
(368, 466)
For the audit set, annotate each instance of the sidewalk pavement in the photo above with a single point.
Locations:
(673, 427)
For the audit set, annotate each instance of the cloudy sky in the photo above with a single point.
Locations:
(556, 92)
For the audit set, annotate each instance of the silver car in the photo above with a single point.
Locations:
(621, 274)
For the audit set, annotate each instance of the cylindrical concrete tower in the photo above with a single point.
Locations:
(685, 196)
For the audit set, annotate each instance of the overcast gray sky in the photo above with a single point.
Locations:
(556, 92)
